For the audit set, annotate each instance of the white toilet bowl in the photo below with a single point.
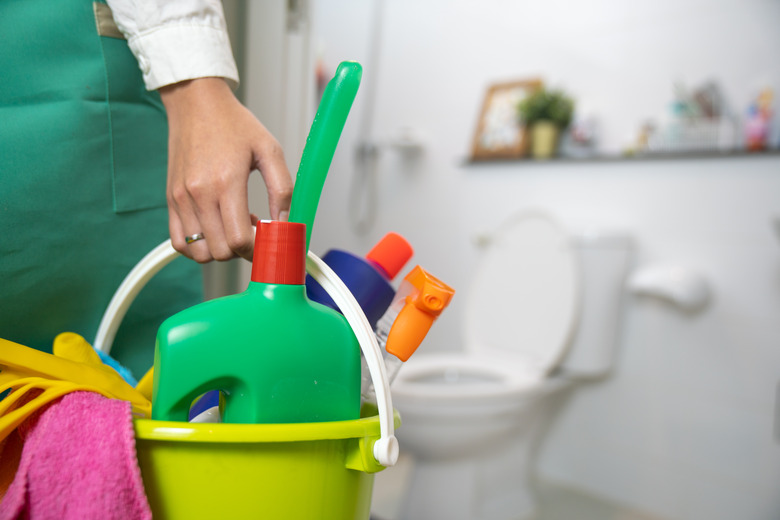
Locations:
(473, 420)
(455, 405)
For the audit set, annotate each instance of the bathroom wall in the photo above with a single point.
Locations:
(684, 428)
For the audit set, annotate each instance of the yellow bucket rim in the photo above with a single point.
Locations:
(148, 429)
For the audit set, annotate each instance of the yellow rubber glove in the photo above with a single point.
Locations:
(24, 370)
(146, 383)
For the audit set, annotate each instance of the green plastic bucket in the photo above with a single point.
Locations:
(303, 471)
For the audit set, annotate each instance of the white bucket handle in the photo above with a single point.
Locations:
(386, 447)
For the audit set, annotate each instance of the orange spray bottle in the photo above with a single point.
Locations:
(419, 301)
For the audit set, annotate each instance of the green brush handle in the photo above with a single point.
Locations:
(321, 143)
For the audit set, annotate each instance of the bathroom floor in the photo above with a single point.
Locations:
(556, 502)
(559, 503)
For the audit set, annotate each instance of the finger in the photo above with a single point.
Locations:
(237, 221)
(209, 218)
(198, 248)
(185, 208)
(176, 231)
(276, 176)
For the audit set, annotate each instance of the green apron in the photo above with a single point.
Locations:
(83, 155)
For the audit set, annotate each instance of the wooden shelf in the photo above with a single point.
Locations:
(648, 156)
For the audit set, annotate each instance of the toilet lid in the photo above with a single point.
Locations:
(524, 299)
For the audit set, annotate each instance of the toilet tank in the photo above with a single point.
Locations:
(605, 260)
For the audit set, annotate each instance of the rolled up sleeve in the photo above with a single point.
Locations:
(175, 41)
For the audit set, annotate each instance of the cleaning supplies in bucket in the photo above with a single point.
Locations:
(296, 471)
(367, 278)
(277, 356)
(31, 379)
(77, 461)
(420, 299)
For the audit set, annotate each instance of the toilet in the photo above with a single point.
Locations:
(541, 316)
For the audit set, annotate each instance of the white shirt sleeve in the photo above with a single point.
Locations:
(176, 40)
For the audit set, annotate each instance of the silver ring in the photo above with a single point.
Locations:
(194, 238)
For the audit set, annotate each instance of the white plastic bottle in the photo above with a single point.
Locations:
(420, 299)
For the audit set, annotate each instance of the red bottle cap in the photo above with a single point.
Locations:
(390, 254)
(280, 253)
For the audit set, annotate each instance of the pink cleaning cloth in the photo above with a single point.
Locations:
(78, 462)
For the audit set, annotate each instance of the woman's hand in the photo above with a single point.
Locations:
(214, 143)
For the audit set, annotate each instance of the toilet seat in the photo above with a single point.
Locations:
(524, 298)
(459, 376)
(521, 313)
(460, 388)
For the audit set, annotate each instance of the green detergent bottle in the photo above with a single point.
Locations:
(276, 356)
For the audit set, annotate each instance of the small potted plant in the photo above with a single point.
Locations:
(545, 114)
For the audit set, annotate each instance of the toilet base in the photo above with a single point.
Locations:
(494, 485)
(484, 473)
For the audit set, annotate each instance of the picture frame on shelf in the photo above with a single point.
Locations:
(499, 133)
